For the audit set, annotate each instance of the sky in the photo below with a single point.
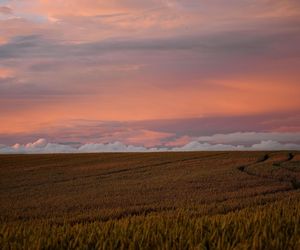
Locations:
(136, 75)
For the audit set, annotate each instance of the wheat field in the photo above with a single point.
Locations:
(188, 200)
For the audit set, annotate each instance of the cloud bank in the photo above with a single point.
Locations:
(41, 146)
(249, 137)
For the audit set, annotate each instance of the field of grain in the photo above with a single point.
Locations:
(191, 200)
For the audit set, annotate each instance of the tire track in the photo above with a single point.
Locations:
(293, 181)
(116, 171)
(291, 156)
(243, 168)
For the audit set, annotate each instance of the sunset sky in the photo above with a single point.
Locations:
(149, 73)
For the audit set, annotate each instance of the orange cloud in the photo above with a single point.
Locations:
(135, 103)
(57, 8)
(3, 40)
(6, 73)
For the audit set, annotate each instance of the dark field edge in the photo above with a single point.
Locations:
(149, 152)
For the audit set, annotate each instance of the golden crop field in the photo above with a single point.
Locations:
(188, 200)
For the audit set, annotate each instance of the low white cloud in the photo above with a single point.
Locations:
(274, 145)
(263, 145)
(41, 146)
(38, 147)
(251, 137)
(110, 147)
(198, 146)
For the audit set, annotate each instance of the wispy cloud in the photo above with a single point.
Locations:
(5, 10)
(284, 127)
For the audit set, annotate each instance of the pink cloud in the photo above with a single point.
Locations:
(5, 10)
(136, 60)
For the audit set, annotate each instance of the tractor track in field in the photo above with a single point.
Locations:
(117, 171)
(281, 163)
(293, 181)
(244, 168)
(143, 211)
